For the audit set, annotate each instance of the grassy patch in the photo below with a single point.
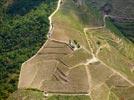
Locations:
(69, 98)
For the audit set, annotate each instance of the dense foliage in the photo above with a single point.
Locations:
(23, 28)
(126, 27)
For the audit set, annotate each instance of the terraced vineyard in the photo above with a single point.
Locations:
(86, 57)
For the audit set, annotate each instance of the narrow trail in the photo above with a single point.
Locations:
(90, 47)
(50, 18)
(89, 79)
(64, 94)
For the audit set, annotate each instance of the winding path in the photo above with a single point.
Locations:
(50, 18)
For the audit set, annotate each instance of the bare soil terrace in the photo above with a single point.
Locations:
(93, 68)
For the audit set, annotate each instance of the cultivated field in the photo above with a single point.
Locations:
(82, 57)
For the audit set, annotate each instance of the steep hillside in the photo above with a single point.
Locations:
(121, 13)
(87, 56)
(21, 35)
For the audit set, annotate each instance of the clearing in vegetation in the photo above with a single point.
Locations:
(82, 57)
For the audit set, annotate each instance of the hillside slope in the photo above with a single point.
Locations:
(85, 55)
(24, 26)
